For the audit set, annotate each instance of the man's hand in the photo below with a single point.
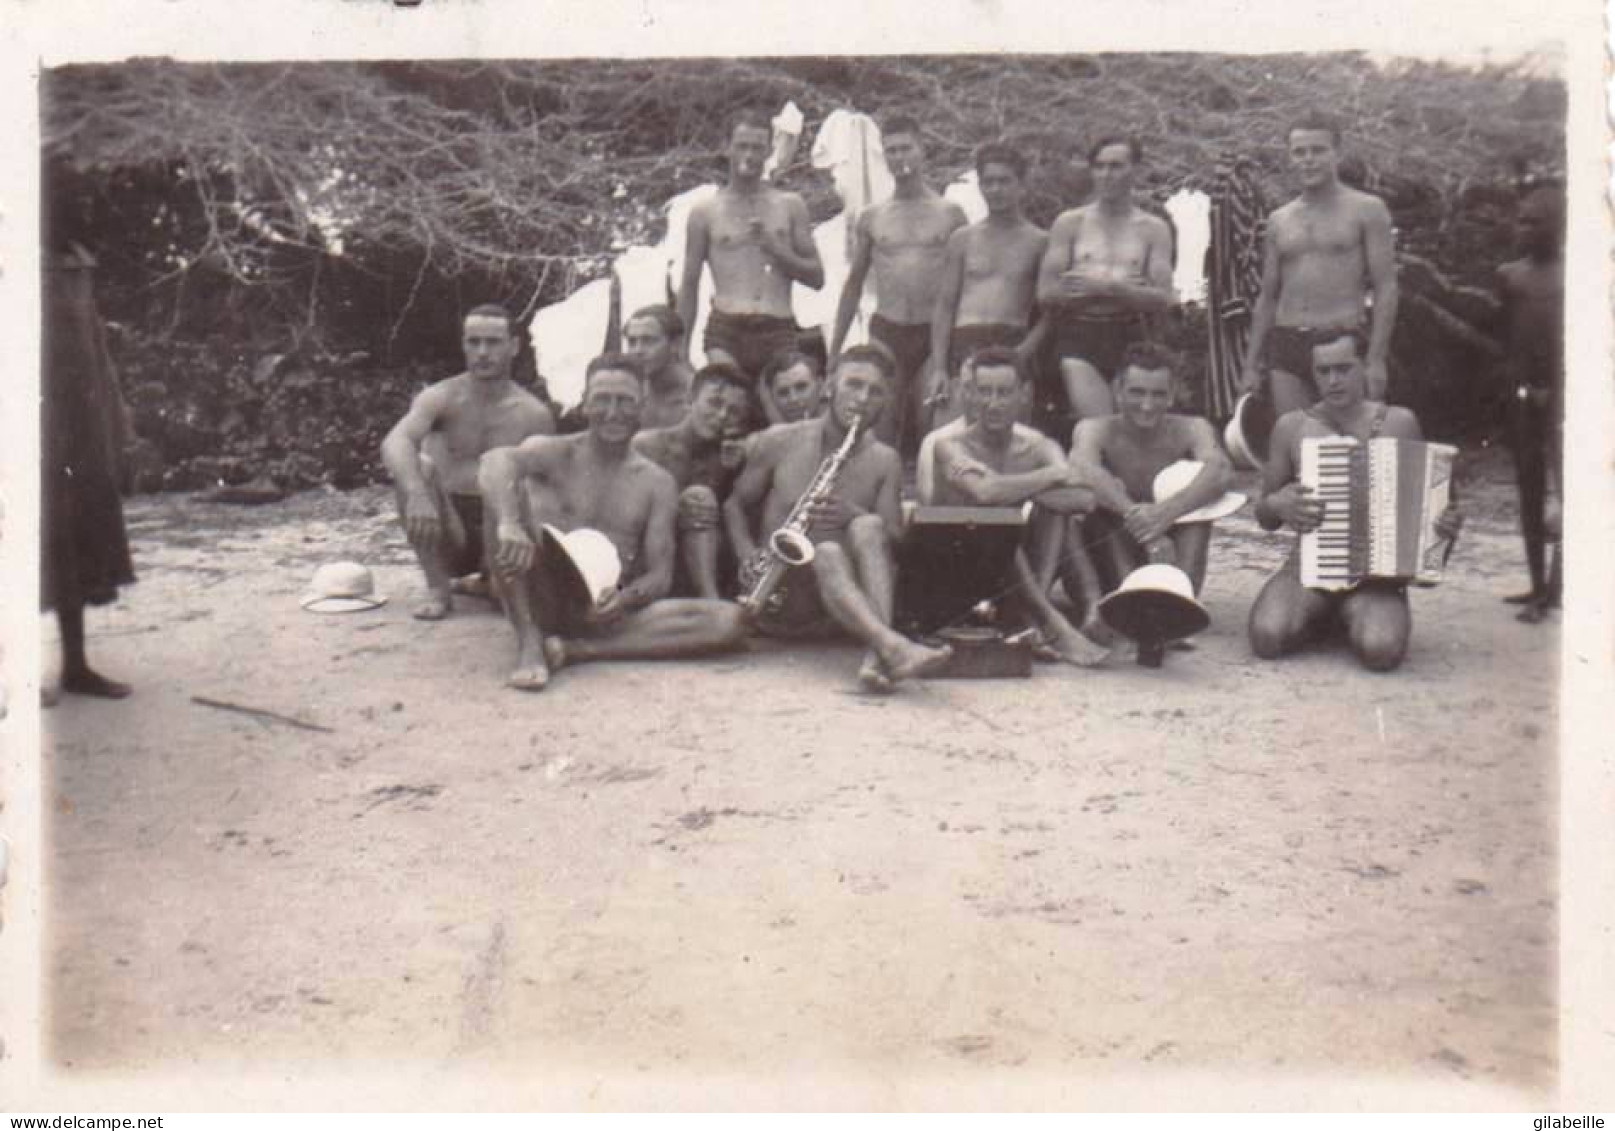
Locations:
(1450, 523)
(732, 453)
(1298, 507)
(1378, 379)
(936, 388)
(1079, 284)
(1250, 379)
(962, 466)
(831, 513)
(612, 608)
(421, 522)
(514, 551)
(760, 234)
(698, 512)
(1146, 522)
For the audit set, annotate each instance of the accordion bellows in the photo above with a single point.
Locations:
(1381, 502)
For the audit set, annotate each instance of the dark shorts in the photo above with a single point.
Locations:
(910, 344)
(966, 340)
(1100, 341)
(468, 556)
(800, 613)
(1290, 348)
(751, 339)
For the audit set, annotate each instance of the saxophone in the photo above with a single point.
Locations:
(789, 545)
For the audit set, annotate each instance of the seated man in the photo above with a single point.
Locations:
(796, 382)
(593, 480)
(994, 462)
(1120, 456)
(1375, 612)
(432, 453)
(703, 454)
(852, 573)
(654, 337)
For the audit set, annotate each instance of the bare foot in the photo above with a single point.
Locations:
(472, 585)
(909, 660)
(1075, 648)
(530, 673)
(435, 607)
(88, 682)
(1098, 631)
(555, 653)
(872, 676)
(1534, 613)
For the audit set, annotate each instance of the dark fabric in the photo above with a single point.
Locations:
(910, 344)
(1100, 342)
(966, 340)
(751, 339)
(1233, 275)
(796, 611)
(469, 556)
(1290, 348)
(84, 548)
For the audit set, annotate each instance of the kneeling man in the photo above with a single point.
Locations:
(851, 577)
(593, 480)
(1287, 613)
(1120, 456)
(432, 453)
(993, 462)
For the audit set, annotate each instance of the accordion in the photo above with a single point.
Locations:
(1381, 502)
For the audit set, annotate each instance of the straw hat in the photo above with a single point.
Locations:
(589, 564)
(341, 587)
(1155, 604)
(1176, 477)
(1248, 432)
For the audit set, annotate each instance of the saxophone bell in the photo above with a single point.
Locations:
(791, 546)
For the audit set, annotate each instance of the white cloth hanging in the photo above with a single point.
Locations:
(1190, 210)
(967, 196)
(787, 134)
(848, 145)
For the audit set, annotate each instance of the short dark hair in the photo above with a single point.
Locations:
(1316, 120)
(1135, 148)
(871, 354)
(750, 116)
(993, 357)
(899, 124)
(719, 373)
(788, 359)
(664, 316)
(1147, 355)
(998, 153)
(1328, 337)
(614, 363)
(492, 310)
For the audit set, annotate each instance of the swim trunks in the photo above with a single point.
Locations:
(1290, 348)
(796, 611)
(468, 556)
(910, 343)
(750, 339)
(1100, 340)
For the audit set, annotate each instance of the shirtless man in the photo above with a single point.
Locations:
(593, 480)
(1108, 266)
(994, 462)
(905, 239)
(853, 569)
(1120, 456)
(1321, 253)
(989, 276)
(654, 337)
(432, 453)
(757, 241)
(1531, 295)
(703, 453)
(1286, 613)
(796, 382)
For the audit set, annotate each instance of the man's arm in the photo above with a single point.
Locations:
(499, 475)
(661, 541)
(888, 495)
(1285, 502)
(1056, 260)
(988, 488)
(797, 257)
(1206, 487)
(1072, 498)
(852, 290)
(401, 450)
(1155, 292)
(1088, 460)
(749, 491)
(1267, 302)
(696, 238)
(946, 309)
(1380, 253)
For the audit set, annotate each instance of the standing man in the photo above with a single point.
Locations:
(593, 480)
(1107, 268)
(432, 453)
(905, 239)
(757, 241)
(852, 575)
(1321, 254)
(994, 462)
(1375, 612)
(1531, 293)
(1120, 456)
(703, 453)
(654, 337)
(989, 276)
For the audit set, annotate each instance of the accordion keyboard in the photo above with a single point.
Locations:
(1327, 553)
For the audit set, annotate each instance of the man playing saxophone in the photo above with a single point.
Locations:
(850, 521)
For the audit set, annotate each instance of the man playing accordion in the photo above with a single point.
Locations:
(1375, 611)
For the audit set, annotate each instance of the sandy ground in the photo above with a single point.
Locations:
(742, 867)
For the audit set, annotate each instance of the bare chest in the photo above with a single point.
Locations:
(999, 257)
(1318, 233)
